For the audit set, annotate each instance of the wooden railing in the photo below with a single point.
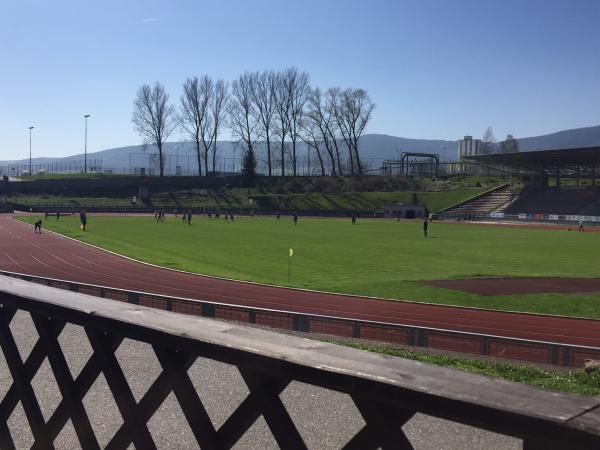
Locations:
(386, 391)
(543, 352)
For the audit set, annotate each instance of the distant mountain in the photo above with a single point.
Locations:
(576, 138)
(374, 149)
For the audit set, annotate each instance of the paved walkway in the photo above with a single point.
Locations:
(325, 419)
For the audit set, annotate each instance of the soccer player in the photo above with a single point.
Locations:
(353, 218)
(295, 218)
(580, 225)
(83, 219)
(425, 225)
(189, 217)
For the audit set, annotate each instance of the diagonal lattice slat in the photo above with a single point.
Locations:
(247, 413)
(147, 406)
(273, 410)
(174, 365)
(19, 375)
(83, 383)
(383, 427)
(102, 344)
(81, 422)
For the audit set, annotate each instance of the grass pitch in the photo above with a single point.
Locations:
(375, 257)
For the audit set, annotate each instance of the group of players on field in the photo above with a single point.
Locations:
(159, 216)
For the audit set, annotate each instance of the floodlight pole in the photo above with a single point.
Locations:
(30, 172)
(85, 149)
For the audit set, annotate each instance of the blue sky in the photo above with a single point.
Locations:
(434, 68)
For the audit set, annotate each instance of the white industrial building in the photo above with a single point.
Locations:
(468, 147)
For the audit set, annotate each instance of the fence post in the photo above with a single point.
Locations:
(566, 359)
(412, 337)
(485, 346)
(421, 338)
(300, 323)
(208, 310)
(133, 298)
(554, 349)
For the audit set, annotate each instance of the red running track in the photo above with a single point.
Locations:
(54, 256)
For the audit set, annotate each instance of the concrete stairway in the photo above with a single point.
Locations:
(481, 205)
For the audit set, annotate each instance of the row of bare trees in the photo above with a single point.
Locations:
(489, 145)
(274, 111)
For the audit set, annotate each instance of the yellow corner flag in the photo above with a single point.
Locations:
(291, 252)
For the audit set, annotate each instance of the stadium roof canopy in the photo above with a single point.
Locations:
(543, 160)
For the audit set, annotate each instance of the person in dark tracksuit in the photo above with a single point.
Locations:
(425, 226)
(189, 217)
(38, 226)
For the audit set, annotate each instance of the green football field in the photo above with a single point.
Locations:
(375, 257)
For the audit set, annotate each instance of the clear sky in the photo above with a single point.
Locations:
(434, 68)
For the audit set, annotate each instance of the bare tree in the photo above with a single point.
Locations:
(509, 145)
(264, 85)
(195, 114)
(313, 138)
(282, 108)
(241, 116)
(353, 113)
(487, 142)
(218, 110)
(298, 88)
(153, 117)
(321, 117)
(331, 105)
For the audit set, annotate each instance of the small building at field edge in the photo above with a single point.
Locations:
(402, 211)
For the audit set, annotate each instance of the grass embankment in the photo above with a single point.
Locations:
(574, 381)
(234, 198)
(65, 201)
(363, 201)
(375, 257)
(65, 176)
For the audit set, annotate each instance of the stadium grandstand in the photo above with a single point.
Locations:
(558, 185)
